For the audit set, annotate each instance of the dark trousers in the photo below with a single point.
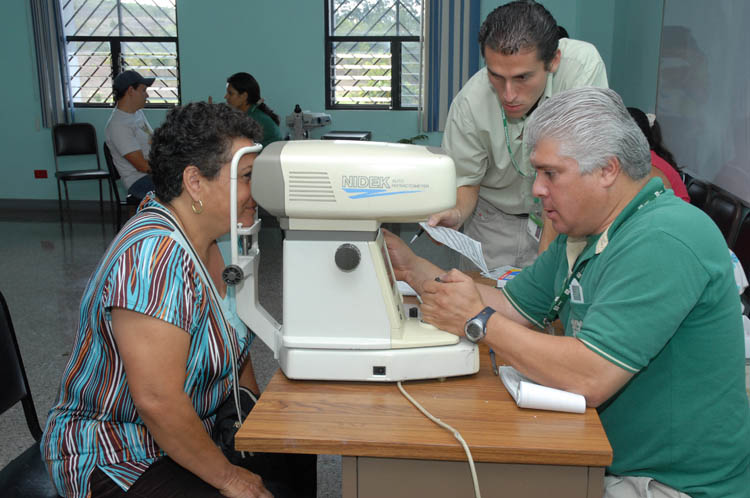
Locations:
(141, 187)
(284, 475)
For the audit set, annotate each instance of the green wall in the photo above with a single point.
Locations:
(635, 51)
(627, 34)
(285, 53)
(25, 145)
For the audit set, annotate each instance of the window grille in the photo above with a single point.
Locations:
(373, 54)
(105, 37)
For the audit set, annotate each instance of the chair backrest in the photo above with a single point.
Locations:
(75, 139)
(110, 162)
(686, 177)
(113, 173)
(14, 386)
(698, 192)
(725, 210)
(741, 246)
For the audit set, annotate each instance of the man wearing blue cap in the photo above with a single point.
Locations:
(128, 133)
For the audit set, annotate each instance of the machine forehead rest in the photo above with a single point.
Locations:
(349, 180)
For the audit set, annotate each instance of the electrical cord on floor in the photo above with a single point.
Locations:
(447, 427)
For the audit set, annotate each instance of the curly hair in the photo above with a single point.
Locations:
(198, 134)
(520, 25)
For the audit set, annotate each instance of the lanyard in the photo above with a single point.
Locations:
(563, 297)
(507, 145)
(535, 214)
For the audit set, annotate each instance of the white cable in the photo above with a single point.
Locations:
(455, 433)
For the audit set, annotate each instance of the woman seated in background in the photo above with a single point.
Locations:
(243, 94)
(663, 164)
(159, 345)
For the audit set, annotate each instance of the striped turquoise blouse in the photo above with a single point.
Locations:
(94, 422)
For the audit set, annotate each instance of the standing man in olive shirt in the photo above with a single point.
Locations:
(525, 65)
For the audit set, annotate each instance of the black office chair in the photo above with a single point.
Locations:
(698, 192)
(73, 140)
(725, 210)
(741, 248)
(25, 476)
(130, 200)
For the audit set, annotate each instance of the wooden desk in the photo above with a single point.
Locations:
(390, 449)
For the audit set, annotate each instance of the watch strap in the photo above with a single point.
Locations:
(483, 317)
(485, 314)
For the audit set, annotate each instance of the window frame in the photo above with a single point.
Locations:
(396, 63)
(115, 51)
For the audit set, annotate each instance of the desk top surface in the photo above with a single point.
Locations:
(376, 420)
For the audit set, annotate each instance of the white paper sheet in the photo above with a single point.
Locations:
(458, 242)
(529, 394)
(405, 289)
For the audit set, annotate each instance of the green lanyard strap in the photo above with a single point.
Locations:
(536, 212)
(564, 296)
(507, 145)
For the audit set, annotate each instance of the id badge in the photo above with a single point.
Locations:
(534, 226)
(576, 292)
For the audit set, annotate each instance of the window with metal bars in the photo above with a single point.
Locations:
(372, 53)
(105, 37)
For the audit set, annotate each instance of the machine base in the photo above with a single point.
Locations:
(380, 365)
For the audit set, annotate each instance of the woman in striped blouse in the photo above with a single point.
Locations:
(153, 356)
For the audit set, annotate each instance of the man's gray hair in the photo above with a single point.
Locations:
(591, 125)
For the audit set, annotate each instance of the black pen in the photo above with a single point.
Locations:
(416, 235)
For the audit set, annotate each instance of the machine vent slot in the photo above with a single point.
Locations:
(310, 186)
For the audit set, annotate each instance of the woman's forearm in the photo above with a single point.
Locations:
(176, 428)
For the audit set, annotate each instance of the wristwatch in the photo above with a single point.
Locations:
(476, 328)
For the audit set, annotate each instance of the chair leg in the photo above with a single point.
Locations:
(101, 200)
(67, 199)
(115, 206)
(59, 200)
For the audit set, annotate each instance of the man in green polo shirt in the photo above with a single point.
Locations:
(643, 284)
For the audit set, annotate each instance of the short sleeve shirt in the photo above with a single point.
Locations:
(95, 422)
(474, 136)
(271, 132)
(658, 299)
(125, 133)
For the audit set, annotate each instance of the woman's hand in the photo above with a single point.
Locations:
(403, 259)
(244, 484)
(408, 266)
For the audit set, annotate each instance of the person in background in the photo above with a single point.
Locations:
(526, 63)
(128, 133)
(243, 93)
(645, 291)
(159, 345)
(662, 161)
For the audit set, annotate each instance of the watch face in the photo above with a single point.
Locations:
(474, 330)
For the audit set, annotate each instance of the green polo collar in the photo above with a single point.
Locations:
(597, 243)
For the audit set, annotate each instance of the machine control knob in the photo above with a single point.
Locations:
(232, 275)
(347, 257)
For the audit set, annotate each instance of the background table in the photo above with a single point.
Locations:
(390, 449)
